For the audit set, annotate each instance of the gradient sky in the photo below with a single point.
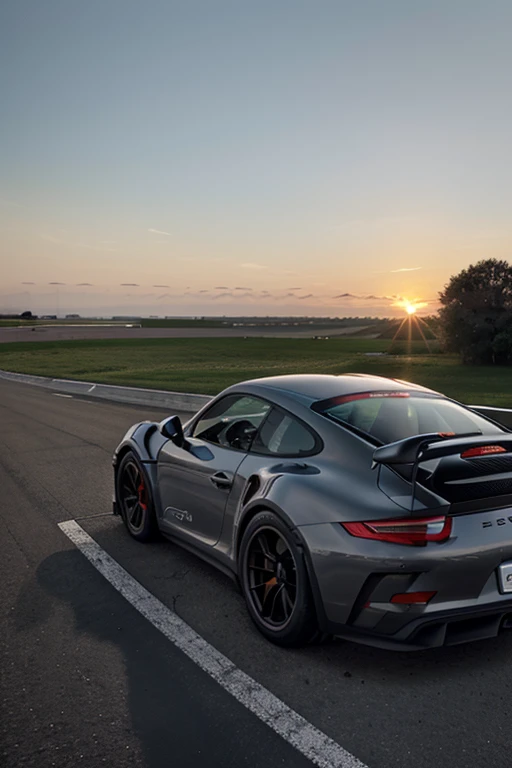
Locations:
(250, 157)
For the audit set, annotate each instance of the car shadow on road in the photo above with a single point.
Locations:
(178, 715)
(221, 597)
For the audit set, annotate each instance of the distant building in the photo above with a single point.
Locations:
(72, 317)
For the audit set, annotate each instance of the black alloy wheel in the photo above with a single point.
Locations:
(275, 582)
(134, 499)
(272, 576)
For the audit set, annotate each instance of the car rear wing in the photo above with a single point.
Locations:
(435, 445)
(470, 481)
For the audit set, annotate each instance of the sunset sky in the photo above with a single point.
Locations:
(272, 157)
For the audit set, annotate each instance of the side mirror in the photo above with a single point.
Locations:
(172, 429)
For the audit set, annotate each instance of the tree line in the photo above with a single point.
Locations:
(475, 319)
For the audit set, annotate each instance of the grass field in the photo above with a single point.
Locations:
(209, 365)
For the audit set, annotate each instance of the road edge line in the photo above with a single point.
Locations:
(292, 727)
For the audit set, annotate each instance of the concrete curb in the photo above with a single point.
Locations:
(154, 398)
(180, 401)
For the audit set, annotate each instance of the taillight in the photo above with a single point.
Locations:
(483, 450)
(412, 598)
(415, 532)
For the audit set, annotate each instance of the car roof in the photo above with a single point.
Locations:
(323, 387)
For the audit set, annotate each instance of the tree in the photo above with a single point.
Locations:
(476, 313)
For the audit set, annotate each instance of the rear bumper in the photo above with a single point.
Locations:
(435, 630)
(354, 581)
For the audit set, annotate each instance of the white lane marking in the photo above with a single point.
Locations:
(91, 388)
(59, 394)
(295, 729)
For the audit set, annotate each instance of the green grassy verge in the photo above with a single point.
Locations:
(209, 365)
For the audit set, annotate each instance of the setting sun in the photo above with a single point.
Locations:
(411, 306)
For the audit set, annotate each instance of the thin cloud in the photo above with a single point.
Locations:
(225, 295)
(221, 288)
(253, 265)
(394, 271)
(54, 283)
(69, 244)
(130, 285)
(161, 286)
(366, 297)
(307, 296)
(299, 288)
(27, 283)
(204, 290)
(159, 232)
(88, 284)
(241, 288)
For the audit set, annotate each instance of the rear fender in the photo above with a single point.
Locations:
(260, 504)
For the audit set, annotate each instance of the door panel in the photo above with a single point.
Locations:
(194, 488)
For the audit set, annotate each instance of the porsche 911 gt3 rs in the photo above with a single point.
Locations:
(369, 508)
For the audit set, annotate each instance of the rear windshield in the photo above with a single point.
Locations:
(388, 416)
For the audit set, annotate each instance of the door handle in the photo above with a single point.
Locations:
(222, 479)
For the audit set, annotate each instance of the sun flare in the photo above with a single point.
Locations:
(410, 306)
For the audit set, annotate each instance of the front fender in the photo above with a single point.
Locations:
(144, 440)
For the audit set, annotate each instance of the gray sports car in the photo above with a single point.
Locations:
(358, 506)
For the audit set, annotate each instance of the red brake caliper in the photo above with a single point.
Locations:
(142, 495)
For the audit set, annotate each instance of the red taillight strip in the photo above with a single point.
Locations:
(483, 450)
(411, 532)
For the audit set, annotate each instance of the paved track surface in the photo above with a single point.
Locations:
(85, 679)
(69, 332)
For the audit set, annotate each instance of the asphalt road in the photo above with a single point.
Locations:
(86, 679)
(69, 332)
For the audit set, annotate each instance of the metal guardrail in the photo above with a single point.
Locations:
(502, 415)
(154, 398)
(183, 401)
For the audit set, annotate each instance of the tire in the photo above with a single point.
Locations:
(133, 493)
(281, 605)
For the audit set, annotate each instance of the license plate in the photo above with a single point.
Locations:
(505, 577)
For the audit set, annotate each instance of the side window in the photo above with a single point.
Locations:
(232, 422)
(282, 435)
